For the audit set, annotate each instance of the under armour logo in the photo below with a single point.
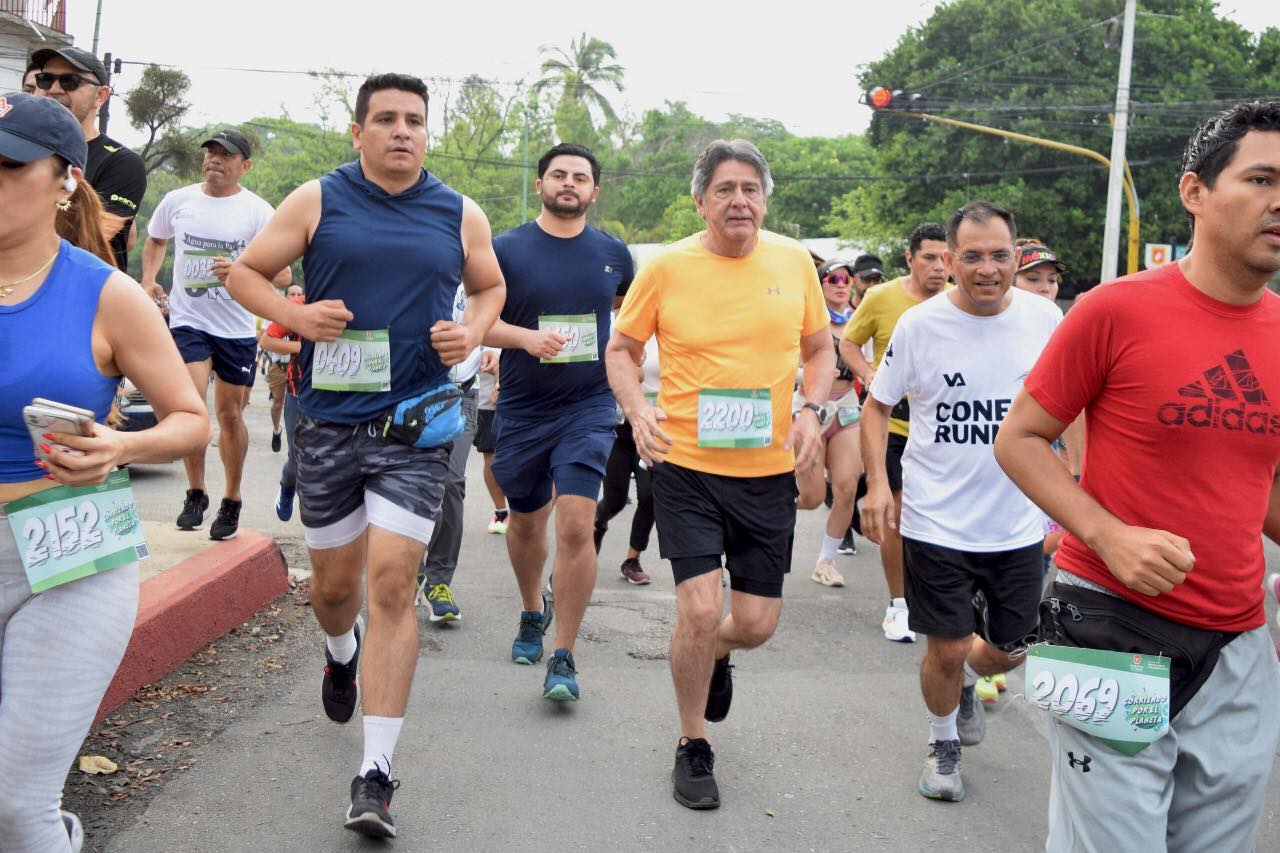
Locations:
(953, 380)
(1082, 763)
(5, 106)
(776, 291)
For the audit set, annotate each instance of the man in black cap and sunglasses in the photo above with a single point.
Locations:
(77, 79)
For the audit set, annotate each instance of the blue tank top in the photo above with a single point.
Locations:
(396, 261)
(46, 349)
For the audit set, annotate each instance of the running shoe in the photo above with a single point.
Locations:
(275, 441)
(895, 625)
(1273, 585)
(941, 777)
(632, 573)
(825, 573)
(338, 689)
(75, 831)
(1001, 681)
(193, 509)
(848, 545)
(693, 779)
(986, 689)
(227, 522)
(284, 504)
(971, 721)
(720, 693)
(527, 648)
(370, 813)
(443, 607)
(499, 524)
(561, 682)
(548, 607)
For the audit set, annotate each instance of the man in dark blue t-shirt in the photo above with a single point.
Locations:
(553, 428)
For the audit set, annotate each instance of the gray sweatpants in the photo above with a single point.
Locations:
(441, 559)
(58, 652)
(1198, 789)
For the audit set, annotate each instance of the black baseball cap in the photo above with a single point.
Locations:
(232, 140)
(1034, 255)
(868, 265)
(82, 59)
(832, 265)
(33, 127)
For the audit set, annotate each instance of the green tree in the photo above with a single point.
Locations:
(1048, 68)
(157, 106)
(579, 75)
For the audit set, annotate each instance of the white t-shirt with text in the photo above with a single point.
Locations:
(961, 373)
(203, 227)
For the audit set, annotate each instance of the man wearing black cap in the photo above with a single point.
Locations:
(868, 271)
(210, 223)
(77, 79)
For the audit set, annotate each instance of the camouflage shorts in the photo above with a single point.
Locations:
(338, 463)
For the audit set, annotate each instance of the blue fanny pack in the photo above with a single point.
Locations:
(428, 420)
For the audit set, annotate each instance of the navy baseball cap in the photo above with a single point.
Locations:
(81, 59)
(233, 141)
(32, 128)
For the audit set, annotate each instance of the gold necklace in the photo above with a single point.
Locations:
(6, 290)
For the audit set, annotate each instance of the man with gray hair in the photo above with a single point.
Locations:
(722, 440)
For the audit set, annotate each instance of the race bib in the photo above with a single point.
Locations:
(735, 417)
(651, 397)
(65, 533)
(357, 361)
(848, 415)
(1121, 699)
(197, 268)
(580, 329)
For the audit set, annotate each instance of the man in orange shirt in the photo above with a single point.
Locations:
(722, 441)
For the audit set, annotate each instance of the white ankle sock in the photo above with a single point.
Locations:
(970, 675)
(342, 648)
(381, 734)
(829, 546)
(943, 728)
(898, 603)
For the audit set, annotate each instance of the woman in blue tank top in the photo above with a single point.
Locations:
(70, 326)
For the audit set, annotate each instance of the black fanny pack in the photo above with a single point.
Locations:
(1084, 618)
(901, 411)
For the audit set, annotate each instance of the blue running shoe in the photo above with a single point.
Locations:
(527, 648)
(284, 505)
(443, 607)
(561, 683)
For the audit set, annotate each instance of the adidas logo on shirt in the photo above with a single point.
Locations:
(1228, 396)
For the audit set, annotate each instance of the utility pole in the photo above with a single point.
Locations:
(524, 172)
(104, 114)
(97, 28)
(1111, 235)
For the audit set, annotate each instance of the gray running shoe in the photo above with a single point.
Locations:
(940, 779)
(971, 721)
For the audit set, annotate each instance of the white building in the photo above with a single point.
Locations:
(25, 27)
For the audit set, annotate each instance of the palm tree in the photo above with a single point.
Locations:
(580, 73)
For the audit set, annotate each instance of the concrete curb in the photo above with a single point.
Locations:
(193, 603)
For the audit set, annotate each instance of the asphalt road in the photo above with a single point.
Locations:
(821, 751)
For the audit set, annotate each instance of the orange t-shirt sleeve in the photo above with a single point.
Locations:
(275, 330)
(815, 307)
(638, 316)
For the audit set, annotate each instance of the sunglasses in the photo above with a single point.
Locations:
(872, 279)
(839, 278)
(69, 82)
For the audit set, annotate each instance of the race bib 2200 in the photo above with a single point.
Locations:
(735, 417)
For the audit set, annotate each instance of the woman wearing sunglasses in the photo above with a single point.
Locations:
(70, 325)
(842, 448)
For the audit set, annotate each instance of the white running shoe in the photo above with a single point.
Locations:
(825, 573)
(895, 625)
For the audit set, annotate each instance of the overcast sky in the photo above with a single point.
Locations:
(798, 65)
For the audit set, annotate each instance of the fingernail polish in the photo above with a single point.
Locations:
(48, 435)
(46, 448)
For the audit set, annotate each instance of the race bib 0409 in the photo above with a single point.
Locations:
(735, 417)
(64, 533)
(1121, 699)
(357, 361)
(580, 329)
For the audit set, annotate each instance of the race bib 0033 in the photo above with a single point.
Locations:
(580, 329)
(735, 417)
(357, 361)
(1121, 699)
(64, 533)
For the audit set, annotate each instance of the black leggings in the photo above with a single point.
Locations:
(623, 461)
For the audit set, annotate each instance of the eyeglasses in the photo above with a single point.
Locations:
(69, 82)
(872, 279)
(838, 278)
(972, 259)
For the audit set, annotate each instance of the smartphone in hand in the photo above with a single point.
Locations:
(45, 416)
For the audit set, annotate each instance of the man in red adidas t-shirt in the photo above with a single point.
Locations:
(1177, 371)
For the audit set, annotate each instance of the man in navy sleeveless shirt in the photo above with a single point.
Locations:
(384, 246)
(554, 423)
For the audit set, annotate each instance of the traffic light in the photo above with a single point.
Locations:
(882, 98)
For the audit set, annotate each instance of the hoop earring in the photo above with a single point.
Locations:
(63, 205)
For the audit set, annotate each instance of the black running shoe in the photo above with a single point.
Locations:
(693, 782)
(720, 696)
(848, 545)
(338, 690)
(369, 814)
(275, 442)
(227, 522)
(193, 508)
